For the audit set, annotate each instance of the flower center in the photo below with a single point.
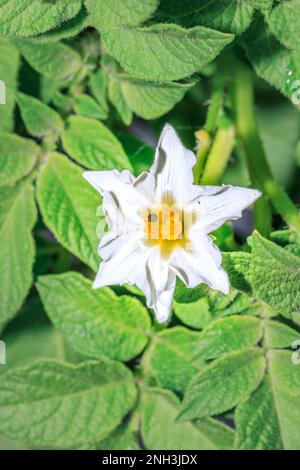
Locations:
(165, 223)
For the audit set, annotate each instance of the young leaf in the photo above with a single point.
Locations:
(257, 422)
(275, 275)
(228, 334)
(93, 145)
(223, 384)
(284, 20)
(164, 51)
(40, 120)
(104, 14)
(86, 106)
(57, 61)
(151, 99)
(172, 362)
(17, 157)
(66, 203)
(224, 15)
(279, 335)
(118, 100)
(9, 60)
(50, 403)
(194, 314)
(285, 381)
(28, 18)
(161, 431)
(96, 322)
(17, 218)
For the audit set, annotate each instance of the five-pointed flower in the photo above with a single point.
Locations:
(160, 224)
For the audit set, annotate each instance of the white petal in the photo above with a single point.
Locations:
(158, 285)
(125, 200)
(201, 262)
(173, 167)
(220, 204)
(123, 258)
(127, 260)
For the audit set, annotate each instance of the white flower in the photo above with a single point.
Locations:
(160, 223)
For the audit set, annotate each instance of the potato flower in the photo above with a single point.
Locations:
(160, 225)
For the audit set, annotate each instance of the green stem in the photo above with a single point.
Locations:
(219, 155)
(213, 113)
(204, 136)
(203, 144)
(247, 129)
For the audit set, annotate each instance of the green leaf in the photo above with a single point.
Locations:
(67, 29)
(31, 336)
(257, 422)
(11, 444)
(98, 83)
(9, 60)
(279, 335)
(172, 362)
(195, 314)
(28, 18)
(17, 157)
(185, 295)
(223, 384)
(104, 14)
(224, 15)
(67, 205)
(151, 99)
(86, 106)
(38, 402)
(275, 275)
(238, 304)
(228, 334)
(237, 265)
(17, 218)
(121, 438)
(140, 155)
(57, 61)
(40, 120)
(164, 52)
(93, 145)
(279, 130)
(284, 237)
(285, 381)
(160, 431)
(268, 57)
(118, 100)
(284, 21)
(262, 4)
(96, 322)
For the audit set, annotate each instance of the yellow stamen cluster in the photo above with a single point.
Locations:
(165, 223)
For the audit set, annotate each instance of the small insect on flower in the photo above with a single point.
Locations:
(160, 224)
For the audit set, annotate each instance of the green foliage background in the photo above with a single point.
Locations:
(90, 369)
